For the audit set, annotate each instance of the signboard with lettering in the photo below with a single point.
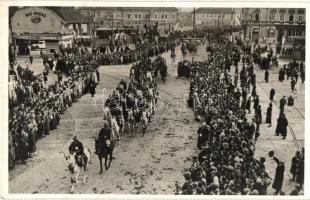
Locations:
(37, 20)
(35, 16)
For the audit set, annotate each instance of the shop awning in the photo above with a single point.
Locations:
(42, 36)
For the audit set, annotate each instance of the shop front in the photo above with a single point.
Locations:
(32, 25)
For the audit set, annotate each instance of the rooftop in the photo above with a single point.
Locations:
(131, 8)
(214, 10)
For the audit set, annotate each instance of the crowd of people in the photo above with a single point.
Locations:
(35, 107)
(225, 164)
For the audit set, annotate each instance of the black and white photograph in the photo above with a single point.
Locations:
(145, 100)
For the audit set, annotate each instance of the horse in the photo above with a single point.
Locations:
(104, 149)
(107, 114)
(121, 123)
(75, 164)
(115, 128)
(144, 121)
(131, 121)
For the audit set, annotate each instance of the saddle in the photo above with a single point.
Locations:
(81, 160)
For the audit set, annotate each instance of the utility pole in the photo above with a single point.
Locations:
(194, 22)
(251, 18)
(94, 28)
(80, 30)
(259, 19)
(231, 24)
(112, 37)
(270, 29)
(150, 24)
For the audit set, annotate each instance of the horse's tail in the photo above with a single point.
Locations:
(88, 154)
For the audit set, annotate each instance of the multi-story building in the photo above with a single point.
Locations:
(29, 25)
(185, 21)
(217, 17)
(109, 19)
(280, 28)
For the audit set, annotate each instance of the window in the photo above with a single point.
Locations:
(211, 15)
(282, 17)
(300, 18)
(272, 15)
(291, 18)
(203, 16)
(257, 16)
(163, 16)
(139, 16)
(155, 16)
(166, 16)
(101, 22)
(136, 16)
(128, 16)
(52, 51)
(172, 16)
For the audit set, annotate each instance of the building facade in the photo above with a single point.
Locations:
(53, 25)
(217, 17)
(185, 21)
(280, 28)
(132, 18)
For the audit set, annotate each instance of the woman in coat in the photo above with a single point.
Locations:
(269, 115)
(272, 93)
(281, 128)
(279, 176)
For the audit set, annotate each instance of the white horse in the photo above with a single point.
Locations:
(131, 121)
(115, 128)
(144, 121)
(149, 75)
(75, 169)
(107, 114)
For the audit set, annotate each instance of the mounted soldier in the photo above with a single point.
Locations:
(77, 147)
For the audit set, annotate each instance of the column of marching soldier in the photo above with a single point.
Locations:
(35, 107)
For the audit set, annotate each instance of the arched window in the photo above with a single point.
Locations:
(272, 15)
(257, 16)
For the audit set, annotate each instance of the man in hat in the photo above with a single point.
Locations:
(202, 135)
(294, 165)
(266, 76)
(282, 103)
(269, 115)
(279, 175)
(77, 147)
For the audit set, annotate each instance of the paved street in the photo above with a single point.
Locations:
(149, 164)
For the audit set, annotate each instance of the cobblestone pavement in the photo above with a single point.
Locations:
(149, 164)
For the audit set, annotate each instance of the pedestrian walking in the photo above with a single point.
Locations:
(282, 103)
(282, 124)
(30, 59)
(294, 165)
(269, 115)
(279, 175)
(272, 93)
(301, 168)
(92, 87)
(293, 83)
(266, 76)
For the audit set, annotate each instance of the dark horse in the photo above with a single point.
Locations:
(104, 149)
